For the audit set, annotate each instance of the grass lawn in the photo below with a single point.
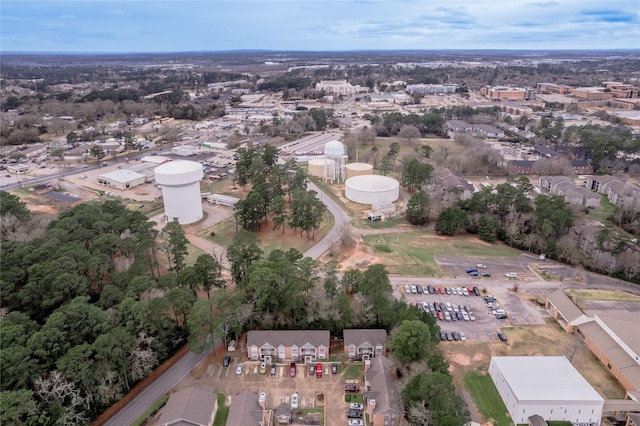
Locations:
(602, 295)
(353, 372)
(222, 413)
(152, 410)
(603, 212)
(413, 253)
(487, 399)
(354, 397)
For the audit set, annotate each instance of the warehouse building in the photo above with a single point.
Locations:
(548, 386)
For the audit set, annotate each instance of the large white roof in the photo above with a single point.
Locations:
(333, 149)
(122, 175)
(178, 167)
(545, 378)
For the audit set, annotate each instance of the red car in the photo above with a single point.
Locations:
(292, 370)
(318, 370)
(440, 316)
(351, 388)
(442, 290)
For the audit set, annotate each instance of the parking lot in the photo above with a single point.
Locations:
(280, 387)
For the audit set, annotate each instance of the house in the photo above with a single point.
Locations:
(548, 386)
(245, 410)
(622, 194)
(599, 184)
(458, 126)
(382, 394)
(450, 181)
(488, 131)
(543, 151)
(567, 188)
(361, 343)
(307, 345)
(581, 167)
(521, 167)
(195, 406)
(34, 151)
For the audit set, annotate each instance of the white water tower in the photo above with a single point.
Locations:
(180, 181)
(334, 150)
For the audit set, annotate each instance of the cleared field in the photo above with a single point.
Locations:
(577, 294)
(412, 253)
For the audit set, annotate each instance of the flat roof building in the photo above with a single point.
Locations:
(548, 386)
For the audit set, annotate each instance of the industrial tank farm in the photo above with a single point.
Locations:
(372, 189)
(180, 181)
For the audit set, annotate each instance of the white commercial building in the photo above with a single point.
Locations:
(548, 386)
(180, 182)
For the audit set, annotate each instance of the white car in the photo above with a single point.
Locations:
(294, 401)
(355, 406)
(472, 316)
(465, 292)
(407, 289)
(356, 422)
(481, 266)
(463, 336)
(511, 275)
(414, 289)
(239, 369)
(465, 316)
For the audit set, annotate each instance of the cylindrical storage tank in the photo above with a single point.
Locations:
(318, 167)
(180, 181)
(372, 189)
(358, 169)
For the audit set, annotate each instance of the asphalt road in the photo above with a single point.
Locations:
(341, 219)
(157, 389)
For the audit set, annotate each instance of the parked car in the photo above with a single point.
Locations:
(511, 275)
(447, 290)
(465, 292)
(239, 369)
(459, 316)
(356, 422)
(226, 361)
(449, 307)
(466, 308)
(273, 369)
(459, 291)
(470, 270)
(472, 316)
(442, 290)
(352, 414)
(465, 316)
(419, 289)
(351, 388)
(476, 291)
(501, 316)
(481, 266)
(443, 335)
(318, 370)
(407, 288)
(447, 316)
(486, 274)
(449, 336)
(430, 289)
(356, 406)
(463, 336)
(334, 368)
(414, 290)
(263, 368)
(455, 336)
(292, 369)
(473, 274)
(502, 337)
(312, 370)
(294, 401)
(440, 316)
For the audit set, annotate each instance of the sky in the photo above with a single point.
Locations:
(105, 26)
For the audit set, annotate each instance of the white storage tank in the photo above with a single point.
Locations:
(372, 189)
(358, 169)
(180, 182)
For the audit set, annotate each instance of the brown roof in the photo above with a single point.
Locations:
(361, 336)
(288, 338)
(191, 406)
(626, 326)
(382, 386)
(244, 409)
(565, 305)
(621, 359)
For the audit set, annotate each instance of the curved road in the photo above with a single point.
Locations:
(341, 219)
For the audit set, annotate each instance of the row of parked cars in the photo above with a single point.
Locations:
(448, 311)
(496, 310)
(429, 289)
